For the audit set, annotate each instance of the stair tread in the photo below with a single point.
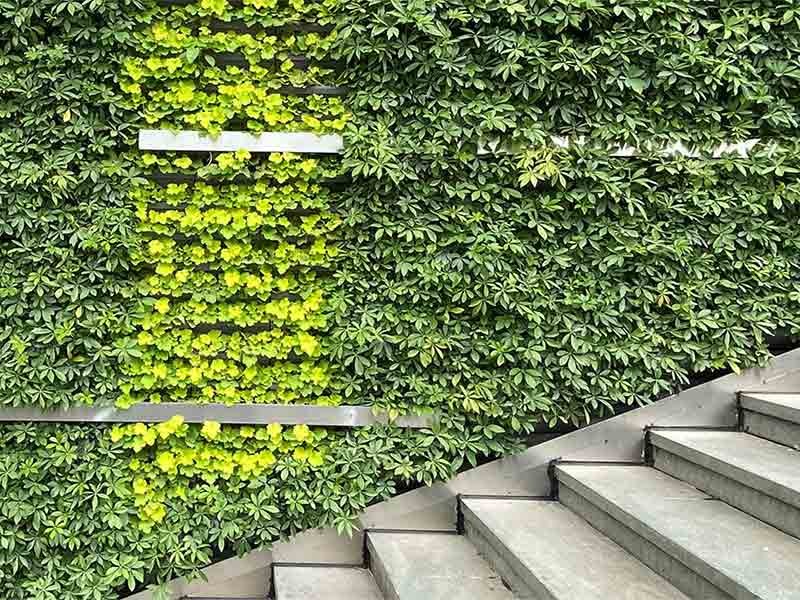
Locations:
(430, 566)
(764, 465)
(730, 548)
(555, 544)
(324, 583)
(781, 406)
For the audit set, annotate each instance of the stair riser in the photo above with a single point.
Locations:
(682, 577)
(380, 574)
(762, 506)
(313, 582)
(431, 566)
(772, 428)
(504, 562)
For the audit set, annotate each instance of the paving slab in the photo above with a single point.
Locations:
(773, 416)
(782, 406)
(324, 583)
(771, 468)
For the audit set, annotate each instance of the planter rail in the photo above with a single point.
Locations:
(311, 143)
(237, 414)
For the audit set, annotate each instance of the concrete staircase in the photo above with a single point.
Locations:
(709, 514)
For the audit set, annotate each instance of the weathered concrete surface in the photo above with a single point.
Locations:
(753, 474)
(738, 554)
(774, 417)
(547, 552)
(430, 566)
(324, 583)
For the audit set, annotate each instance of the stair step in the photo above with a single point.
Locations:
(775, 417)
(324, 583)
(431, 566)
(703, 546)
(546, 552)
(760, 477)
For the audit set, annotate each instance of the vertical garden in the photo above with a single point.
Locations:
(455, 260)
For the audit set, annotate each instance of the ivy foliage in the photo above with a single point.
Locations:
(65, 231)
(531, 283)
(440, 77)
(606, 285)
(492, 273)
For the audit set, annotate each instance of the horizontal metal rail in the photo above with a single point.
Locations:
(742, 148)
(236, 414)
(230, 141)
(307, 142)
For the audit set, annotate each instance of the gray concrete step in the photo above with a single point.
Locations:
(324, 583)
(703, 546)
(546, 552)
(755, 475)
(431, 566)
(773, 416)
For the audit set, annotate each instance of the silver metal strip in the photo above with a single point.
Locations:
(237, 414)
(306, 142)
(741, 149)
(230, 141)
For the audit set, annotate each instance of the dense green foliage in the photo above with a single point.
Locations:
(540, 282)
(469, 293)
(440, 76)
(228, 294)
(232, 249)
(233, 283)
(217, 65)
(533, 283)
(65, 230)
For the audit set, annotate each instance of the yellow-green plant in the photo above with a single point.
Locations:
(233, 287)
(189, 74)
(172, 457)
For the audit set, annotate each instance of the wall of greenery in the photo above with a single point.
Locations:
(531, 284)
(95, 512)
(66, 227)
(534, 281)
(226, 287)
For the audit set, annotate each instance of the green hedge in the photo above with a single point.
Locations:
(531, 284)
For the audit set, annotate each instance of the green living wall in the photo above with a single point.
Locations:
(65, 230)
(469, 265)
(493, 273)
